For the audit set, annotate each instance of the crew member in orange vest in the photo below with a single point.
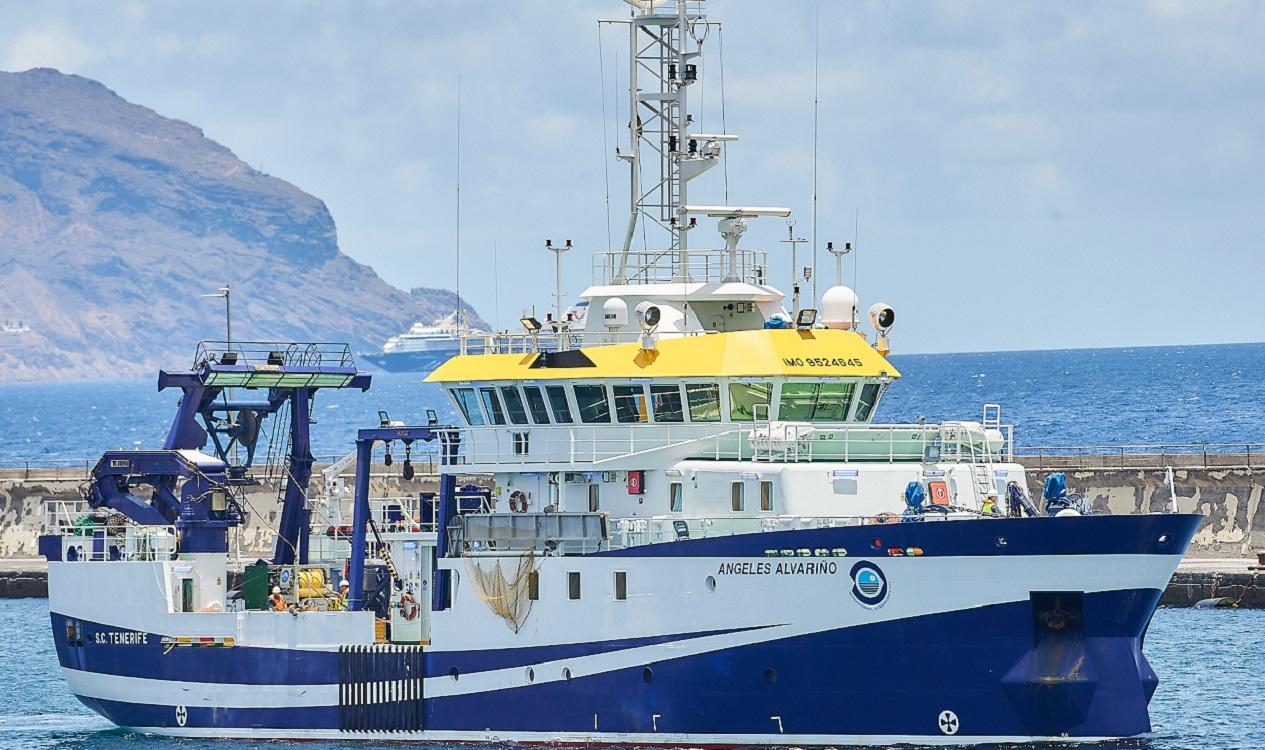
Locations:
(277, 601)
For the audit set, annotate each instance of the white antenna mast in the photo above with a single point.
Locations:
(460, 326)
(816, 56)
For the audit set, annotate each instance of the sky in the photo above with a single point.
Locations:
(1023, 174)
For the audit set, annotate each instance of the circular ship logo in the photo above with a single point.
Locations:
(869, 585)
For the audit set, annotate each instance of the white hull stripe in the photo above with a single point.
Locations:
(618, 738)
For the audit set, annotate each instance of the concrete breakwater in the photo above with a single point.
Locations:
(1227, 489)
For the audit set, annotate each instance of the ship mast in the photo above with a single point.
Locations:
(665, 42)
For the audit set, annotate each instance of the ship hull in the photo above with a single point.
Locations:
(1005, 631)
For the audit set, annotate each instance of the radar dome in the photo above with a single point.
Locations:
(839, 308)
(615, 313)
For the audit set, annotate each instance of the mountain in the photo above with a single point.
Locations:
(114, 221)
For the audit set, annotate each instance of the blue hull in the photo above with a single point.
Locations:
(1050, 666)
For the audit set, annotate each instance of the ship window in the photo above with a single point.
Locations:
(704, 400)
(745, 399)
(514, 404)
(595, 498)
(766, 496)
(667, 403)
(865, 403)
(630, 403)
(591, 400)
(468, 403)
(493, 405)
(533, 585)
(536, 404)
(676, 497)
(558, 401)
(814, 402)
(573, 585)
(621, 586)
(736, 500)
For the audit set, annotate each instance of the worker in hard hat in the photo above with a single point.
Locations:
(344, 589)
(277, 602)
(989, 508)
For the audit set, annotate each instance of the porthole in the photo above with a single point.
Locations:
(531, 675)
(566, 673)
(770, 675)
(647, 674)
(454, 673)
(711, 583)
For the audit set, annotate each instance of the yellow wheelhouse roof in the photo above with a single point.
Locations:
(758, 353)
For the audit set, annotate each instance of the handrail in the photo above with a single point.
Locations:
(596, 445)
(1143, 456)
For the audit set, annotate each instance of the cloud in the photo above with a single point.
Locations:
(48, 47)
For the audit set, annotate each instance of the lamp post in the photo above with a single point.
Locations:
(557, 264)
(794, 242)
(228, 346)
(228, 314)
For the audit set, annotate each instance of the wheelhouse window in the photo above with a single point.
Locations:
(676, 497)
(468, 403)
(558, 402)
(666, 400)
(536, 404)
(866, 401)
(704, 401)
(749, 400)
(766, 496)
(630, 404)
(514, 404)
(591, 401)
(737, 490)
(815, 402)
(493, 405)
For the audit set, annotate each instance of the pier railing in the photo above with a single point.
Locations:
(1134, 457)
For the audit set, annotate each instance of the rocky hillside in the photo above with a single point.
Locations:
(114, 220)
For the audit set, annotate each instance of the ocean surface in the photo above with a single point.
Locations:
(1177, 395)
(1210, 665)
(1210, 662)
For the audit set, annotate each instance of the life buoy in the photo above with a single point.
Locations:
(518, 501)
(408, 607)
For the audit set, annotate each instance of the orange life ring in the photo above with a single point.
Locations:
(518, 501)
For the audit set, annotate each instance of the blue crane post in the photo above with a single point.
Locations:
(359, 519)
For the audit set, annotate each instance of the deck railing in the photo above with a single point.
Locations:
(1155, 456)
(599, 446)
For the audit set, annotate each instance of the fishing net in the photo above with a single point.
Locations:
(508, 597)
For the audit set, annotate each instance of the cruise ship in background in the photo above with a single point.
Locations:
(424, 347)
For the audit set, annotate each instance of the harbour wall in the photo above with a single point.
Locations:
(1227, 489)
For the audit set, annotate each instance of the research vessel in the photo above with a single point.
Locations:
(675, 524)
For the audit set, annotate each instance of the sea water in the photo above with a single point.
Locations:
(1210, 665)
(1150, 396)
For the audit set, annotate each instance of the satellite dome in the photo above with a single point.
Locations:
(839, 308)
(615, 313)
